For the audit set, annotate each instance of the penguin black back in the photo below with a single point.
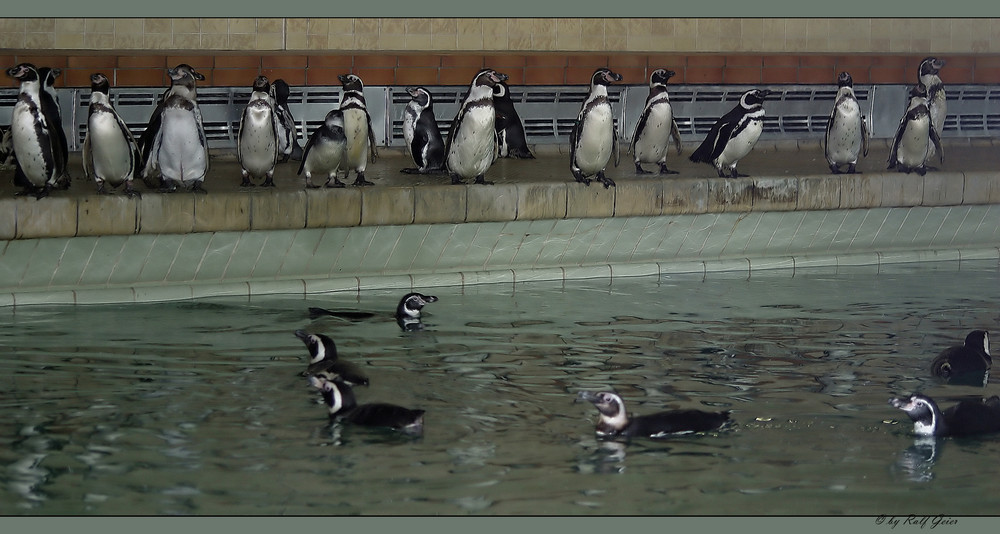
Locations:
(747, 117)
(615, 421)
(966, 364)
(342, 406)
(967, 418)
(510, 129)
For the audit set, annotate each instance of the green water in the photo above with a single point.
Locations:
(199, 407)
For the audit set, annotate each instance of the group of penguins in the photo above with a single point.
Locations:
(172, 151)
(967, 364)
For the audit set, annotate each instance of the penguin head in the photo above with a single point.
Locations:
(279, 90)
(321, 347)
(420, 95)
(24, 72)
(660, 77)
(918, 96)
(978, 340)
(501, 91)
(489, 78)
(48, 76)
(337, 395)
(610, 406)
(603, 76)
(260, 84)
(99, 83)
(411, 304)
(184, 74)
(754, 98)
(922, 410)
(351, 82)
(930, 65)
(334, 119)
(844, 80)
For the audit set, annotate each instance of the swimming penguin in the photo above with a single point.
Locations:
(181, 87)
(734, 134)
(34, 135)
(257, 144)
(288, 138)
(324, 360)
(594, 138)
(325, 150)
(616, 422)
(52, 108)
(357, 128)
(656, 126)
(408, 311)
(342, 406)
(472, 145)
(846, 131)
(110, 153)
(180, 148)
(910, 148)
(967, 364)
(421, 134)
(966, 418)
(510, 130)
(937, 102)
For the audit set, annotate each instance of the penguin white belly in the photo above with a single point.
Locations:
(110, 151)
(356, 130)
(29, 148)
(324, 159)
(258, 143)
(651, 146)
(474, 145)
(912, 149)
(182, 156)
(740, 145)
(843, 143)
(593, 148)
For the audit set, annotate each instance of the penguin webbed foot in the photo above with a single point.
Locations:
(481, 179)
(360, 180)
(332, 182)
(640, 170)
(579, 177)
(246, 182)
(608, 182)
(665, 170)
(835, 169)
(197, 188)
(131, 193)
(456, 179)
(268, 182)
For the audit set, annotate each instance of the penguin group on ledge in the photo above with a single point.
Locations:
(172, 151)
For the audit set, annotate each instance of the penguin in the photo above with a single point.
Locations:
(968, 417)
(7, 160)
(421, 134)
(110, 152)
(510, 129)
(288, 138)
(472, 145)
(846, 131)
(148, 135)
(34, 135)
(966, 364)
(357, 128)
(324, 360)
(325, 151)
(180, 148)
(910, 148)
(656, 126)
(408, 311)
(734, 135)
(937, 102)
(616, 422)
(594, 138)
(342, 406)
(52, 108)
(257, 144)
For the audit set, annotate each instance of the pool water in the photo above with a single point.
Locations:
(198, 407)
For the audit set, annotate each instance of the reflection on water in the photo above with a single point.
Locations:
(199, 407)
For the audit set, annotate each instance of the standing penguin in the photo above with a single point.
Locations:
(180, 149)
(110, 153)
(421, 133)
(472, 139)
(325, 151)
(52, 109)
(937, 103)
(846, 131)
(33, 135)
(357, 128)
(733, 136)
(915, 135)
(288, 139)
(594, 137)
(656, 126)
(510, 130)
(257, 146)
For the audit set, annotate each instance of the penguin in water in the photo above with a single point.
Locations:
(656, 126)
(967, 364)
(968, 417)
(324, 152)
(734, 135)
(910, 148)
(408, 311)
(324, 360)
(421, 133)
(181, 87)
(510, 129)
(288, 138)
(472, 145)
(594, 138)
(937, 103)
(180, 148)
(34, 135)
(110, 152)
(846, 131)
(257, 144)
(51, 106)
(615, 421)
(357, 128)
(342, 406)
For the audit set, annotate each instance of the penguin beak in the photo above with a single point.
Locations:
(613, 77)
(587, 396)
(498, 77)
(671, 74)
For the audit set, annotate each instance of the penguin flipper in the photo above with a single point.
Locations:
(372, 150)
(936, 139)
(893, 161)
(865, 136)
(305, 151)
(88, 163)
(675, 134)
(704, 152)
(614, 145)
(640, 125)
